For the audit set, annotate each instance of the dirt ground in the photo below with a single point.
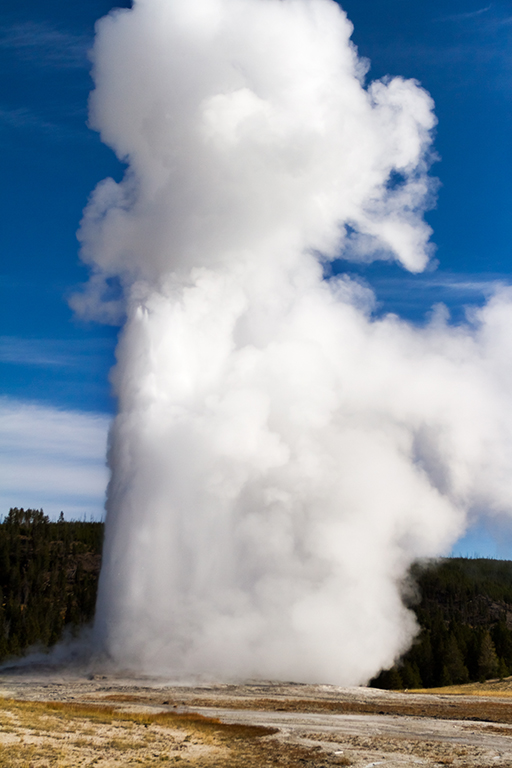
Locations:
(50, 719)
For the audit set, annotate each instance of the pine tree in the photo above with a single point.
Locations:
(503, 670)
(488, 663)
(410, 675)
(454, 665)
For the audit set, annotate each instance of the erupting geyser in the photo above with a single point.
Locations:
(279, 457)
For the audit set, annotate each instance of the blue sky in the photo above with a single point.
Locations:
(54, 368)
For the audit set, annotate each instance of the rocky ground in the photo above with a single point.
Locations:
(48, 719)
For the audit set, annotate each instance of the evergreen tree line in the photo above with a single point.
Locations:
(464, 609)
(48, 578)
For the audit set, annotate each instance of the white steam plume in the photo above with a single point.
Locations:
(279, 457)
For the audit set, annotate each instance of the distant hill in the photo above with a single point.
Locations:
(49, 579)
(464, 609)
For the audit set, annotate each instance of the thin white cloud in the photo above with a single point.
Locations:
(421, 293)
(33, 352)
(464, 16)
(25, 119)
(479, 50)
(51, 353)
(22, 117)
(480, 285)
(38, 41)
(53, 459)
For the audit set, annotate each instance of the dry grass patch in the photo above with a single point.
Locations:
(79, 735)
(126, 697)
(498, 688)
(65, 735)
(35, 734)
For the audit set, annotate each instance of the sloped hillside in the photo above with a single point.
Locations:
(48, 578)
(464, 609)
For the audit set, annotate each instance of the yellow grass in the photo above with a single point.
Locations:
(44, 734)
(499, 688)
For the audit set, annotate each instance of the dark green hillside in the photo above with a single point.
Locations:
(464, 609)
(48, 577)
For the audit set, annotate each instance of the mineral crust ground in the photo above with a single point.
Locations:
(50, 718)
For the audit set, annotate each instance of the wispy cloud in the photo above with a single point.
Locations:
(414, 296)
(464, 16)
(493, 18)
(468, 48)
(14, 121)
(60, 353)
(23, 118)
(457, 286)
(52, 458)
(457, 283)
(42, 43)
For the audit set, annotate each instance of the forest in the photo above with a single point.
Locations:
(49, 577)
(464, 609)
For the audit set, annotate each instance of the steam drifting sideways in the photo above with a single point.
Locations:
(280, 456)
